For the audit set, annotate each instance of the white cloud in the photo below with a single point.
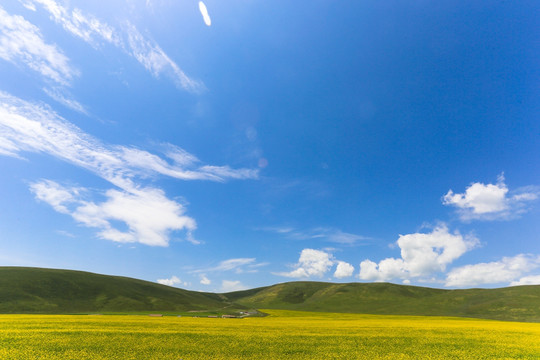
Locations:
(205, 280)
(229, 285)
(28, 5)
(27, 127)
(421, 255)
(130, 40)
(327, 233)
(55, 195)
(22, 43)
(279, 229)
(491, 201)
(147, 213)
(236, 264)
(506, 270)
(155, 60)
(65, 233)
(223, 172)
(340, 237)
(170, 282)
(527, 280)
(60, 96)
(85, 26)
(204, 13)
(180, 156)
(386, 270)
(311, 263)
(233, 264)
(343, 270)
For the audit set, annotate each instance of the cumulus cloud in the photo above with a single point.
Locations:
(173, 281)
(94, 31)
(205, 280)
(311, 263)
(148, 214)
(421, 255)
(507, 270)
(527, 280)
(343, 270)
(22, 43)
(229, 285)
(491, 201)
(204, 13)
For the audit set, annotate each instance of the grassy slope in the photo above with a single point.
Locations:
(36, 290)
(520, 303)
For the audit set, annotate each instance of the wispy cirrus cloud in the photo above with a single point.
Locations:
(59, 95)
(491, 201)
(325, 233)
(22, 43)
(126, 38)
(28, 127)
(155, 60)
(237, 265)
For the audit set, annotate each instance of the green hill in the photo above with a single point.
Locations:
(518, 303)
(36, 290)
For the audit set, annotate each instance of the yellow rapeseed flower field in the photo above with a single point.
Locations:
(282, 335)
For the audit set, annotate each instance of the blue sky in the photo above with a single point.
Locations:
(218, 146)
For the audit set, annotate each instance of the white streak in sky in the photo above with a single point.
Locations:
(59, 95)
(204, 13)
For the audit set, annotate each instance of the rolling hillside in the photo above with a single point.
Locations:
(519, 303)
(36, 290)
